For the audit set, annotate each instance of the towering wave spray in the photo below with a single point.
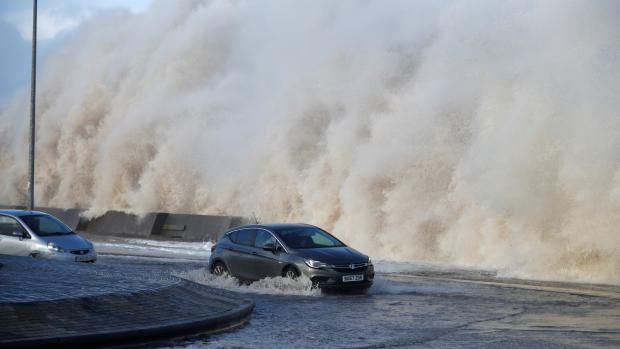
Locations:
(482, 134)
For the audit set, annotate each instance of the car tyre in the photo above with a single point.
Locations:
(35, 255)
(219, 269)
(291, 273)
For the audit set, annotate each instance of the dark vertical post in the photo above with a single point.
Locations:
(33, 89)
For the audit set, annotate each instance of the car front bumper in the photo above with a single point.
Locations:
(329, 278)
(89, 257)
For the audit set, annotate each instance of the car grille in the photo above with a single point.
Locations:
(351, 268)
(80, 252)
(319, 280)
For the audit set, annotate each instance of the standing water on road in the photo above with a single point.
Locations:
(410, 305)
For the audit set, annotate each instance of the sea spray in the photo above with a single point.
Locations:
(471, 133)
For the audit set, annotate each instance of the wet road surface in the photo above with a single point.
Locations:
(408, 312)
(410, 309)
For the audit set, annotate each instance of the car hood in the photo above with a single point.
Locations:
(70, 242)
(333, 255)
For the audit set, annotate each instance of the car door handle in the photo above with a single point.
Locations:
(254, 253)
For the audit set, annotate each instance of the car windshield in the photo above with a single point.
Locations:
(307, 237)
(44, 225)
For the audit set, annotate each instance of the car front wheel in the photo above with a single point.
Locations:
(219, 269)
(291, 273)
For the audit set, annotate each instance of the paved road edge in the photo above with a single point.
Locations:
(225, 320)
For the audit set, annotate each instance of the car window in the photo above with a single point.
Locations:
(322, 240)
(8, 225)
(307, 237)
(264, 237)
(234, 236)
(243, 237)
(44, 225)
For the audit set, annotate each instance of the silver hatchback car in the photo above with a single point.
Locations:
(40, 235)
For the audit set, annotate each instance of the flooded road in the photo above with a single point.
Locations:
(410, 306)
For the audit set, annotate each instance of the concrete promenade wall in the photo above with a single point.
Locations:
(156, 225)
(190, 227)
(115, 223)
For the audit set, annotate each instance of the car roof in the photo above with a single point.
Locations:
(275, 226)
(19, 213)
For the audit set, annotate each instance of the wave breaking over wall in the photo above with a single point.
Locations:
(482, 134)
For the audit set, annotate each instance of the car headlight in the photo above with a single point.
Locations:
(369, 262)
(52, 246)
(316, 264)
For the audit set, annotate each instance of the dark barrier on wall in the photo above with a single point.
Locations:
(168, 226)
(156, 225)
(115, 223)
(189, 227)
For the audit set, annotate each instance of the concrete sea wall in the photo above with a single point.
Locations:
(154, 225)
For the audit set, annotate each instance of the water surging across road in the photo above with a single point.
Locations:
(409, 305)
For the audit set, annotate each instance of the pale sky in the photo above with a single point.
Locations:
(55, 19)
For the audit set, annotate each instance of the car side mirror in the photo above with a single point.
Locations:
(19, 234)
(270, 247)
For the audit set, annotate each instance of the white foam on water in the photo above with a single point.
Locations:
(302, 286)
